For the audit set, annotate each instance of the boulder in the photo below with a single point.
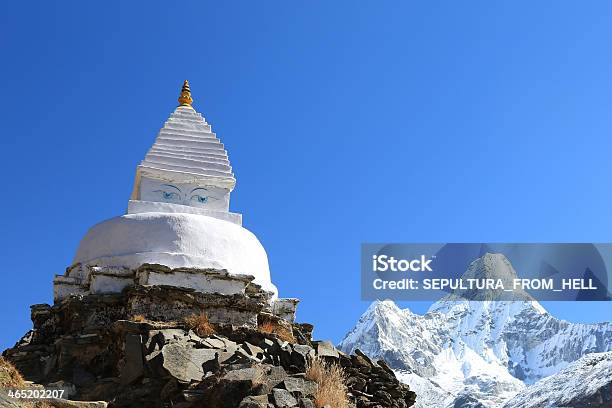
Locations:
(275, 376)
(301, 354)
(185, 363)
(356, 383)
(252, 375)
(300, 385)
(283, 398)
(306, 403)
(326, 349)
(259, 401)
(133, 367)
(252, 350)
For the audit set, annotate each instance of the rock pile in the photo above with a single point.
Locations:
(136, 349)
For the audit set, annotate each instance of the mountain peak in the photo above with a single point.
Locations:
(491, 266)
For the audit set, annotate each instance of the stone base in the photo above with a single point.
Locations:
(83, 280)
(87, 344)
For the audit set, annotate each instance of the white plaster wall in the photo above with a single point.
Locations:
(176, 240)
(137, 206)
(64, 287)
(201, 195)
(109, 283)
(201, 282)
(186, 150)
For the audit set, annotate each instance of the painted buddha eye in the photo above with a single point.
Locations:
(199, 198)
(168, 195)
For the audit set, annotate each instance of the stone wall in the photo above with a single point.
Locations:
(85, 279)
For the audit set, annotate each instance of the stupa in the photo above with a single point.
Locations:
(177, 220)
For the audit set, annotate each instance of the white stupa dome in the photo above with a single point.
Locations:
(175, 240)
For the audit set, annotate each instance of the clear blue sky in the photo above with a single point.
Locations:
(346, 122)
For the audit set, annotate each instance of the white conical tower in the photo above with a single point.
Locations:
(187, 165)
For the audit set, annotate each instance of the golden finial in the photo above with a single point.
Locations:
(185, 98)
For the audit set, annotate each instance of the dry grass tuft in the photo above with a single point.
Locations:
(280, 331)
(200, 324)
(9, 376)
(139, 318)
(331, 380)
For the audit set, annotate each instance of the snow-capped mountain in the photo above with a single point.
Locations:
(474, 353)
(584, 383)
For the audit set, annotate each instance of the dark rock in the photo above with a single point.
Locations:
(184, 362)
(253, 350)
(211, 366)
(133, 367)
(267, 345)
(383, 396)
(300, 385)
(260, 401)
(170, 389)
(356, 383)
(192, 395)
(81, 377)
(283, 398)
(396, 392)
(306, 403)
(359, 353)
(285, 354)
(326, 349)
(275, 376)
(384, 366)
(361, 362)
(301, 355)
(252, 375)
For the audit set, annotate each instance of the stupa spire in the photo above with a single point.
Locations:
(185, 98)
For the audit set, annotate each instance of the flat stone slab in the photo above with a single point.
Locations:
(304, 387)
(283, 398)
(327, 349)
(184, 362)
(134, 366)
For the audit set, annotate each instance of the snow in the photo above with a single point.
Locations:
(580, 379)
(425, 389)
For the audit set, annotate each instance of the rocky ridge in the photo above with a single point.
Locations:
(136, 349)
(584, 383)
